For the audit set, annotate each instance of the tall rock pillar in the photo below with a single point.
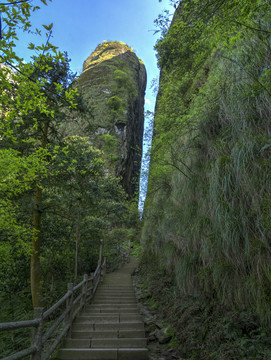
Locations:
(113, 84)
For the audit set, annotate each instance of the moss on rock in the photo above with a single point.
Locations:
(113, 84)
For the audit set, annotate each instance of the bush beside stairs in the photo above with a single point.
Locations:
(110, 328)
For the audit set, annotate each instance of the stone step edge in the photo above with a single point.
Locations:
(102, 334)
(105, 354)
(127, 340)
(103, 349)
(109, 316)
(112, 338)
(110, 306)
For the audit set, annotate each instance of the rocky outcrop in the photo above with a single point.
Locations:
(113, 84)
(209, 158)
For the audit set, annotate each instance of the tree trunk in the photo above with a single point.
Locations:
(35, 256)
(36, 290)
(77, 242)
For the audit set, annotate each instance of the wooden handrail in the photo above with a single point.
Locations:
(88, 287)
(122, 256)
(79, 285)
(55, 325)
(97, 270)
(21, 354)
(56, 305)
(125, 253)
(18, 325)
(55, 343)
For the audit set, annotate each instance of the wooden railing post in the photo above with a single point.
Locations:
(103, 270)
(100, 252)
(84, 291)
(69, 307)
(129, 251)
(91, 282)
(37, 334)
(85, 288)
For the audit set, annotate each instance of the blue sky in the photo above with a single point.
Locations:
(79, 26)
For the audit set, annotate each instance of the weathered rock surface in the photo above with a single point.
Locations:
(158, 338)
(113, 84)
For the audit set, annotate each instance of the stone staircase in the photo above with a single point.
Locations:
(110, 328)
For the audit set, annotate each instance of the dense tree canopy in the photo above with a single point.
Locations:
(57, 199)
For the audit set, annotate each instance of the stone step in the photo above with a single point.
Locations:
(94, 334)
(114, 301)
(110, 311)
(103, 354)
(94, 320)
(110, 306)
(128, 284)
(119, 343)
(115, 287)
(103, 289)
(121, 326)
(105, 343)
(109, 327)
(117, 275)
(112, 319)
(120, 334)
(114, 294)
(106, 286)
(121, 289)
(77, 343)
(128, 290)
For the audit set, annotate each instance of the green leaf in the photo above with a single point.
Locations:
(48, 27)
(31, 46)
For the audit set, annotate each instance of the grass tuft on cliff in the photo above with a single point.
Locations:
(208, 211)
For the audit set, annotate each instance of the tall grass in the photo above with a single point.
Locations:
(212, 227)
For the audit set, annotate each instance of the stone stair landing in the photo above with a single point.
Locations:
(110, 328)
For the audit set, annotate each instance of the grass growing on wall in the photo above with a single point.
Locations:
(208, 208)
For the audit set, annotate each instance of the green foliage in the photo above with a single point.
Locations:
(121, 78)
(124, 83)
(110, 142)
(207, 216)
(78, 195)
(81, 202)
(115, 104)
(110, 145)
(201, 328)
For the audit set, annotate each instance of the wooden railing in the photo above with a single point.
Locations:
(74, 301)
(124, 254)
(119, 257)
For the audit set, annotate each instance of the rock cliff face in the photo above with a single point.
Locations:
(113, 84)
(206, 215)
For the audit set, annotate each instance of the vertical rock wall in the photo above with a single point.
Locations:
(113, 84)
